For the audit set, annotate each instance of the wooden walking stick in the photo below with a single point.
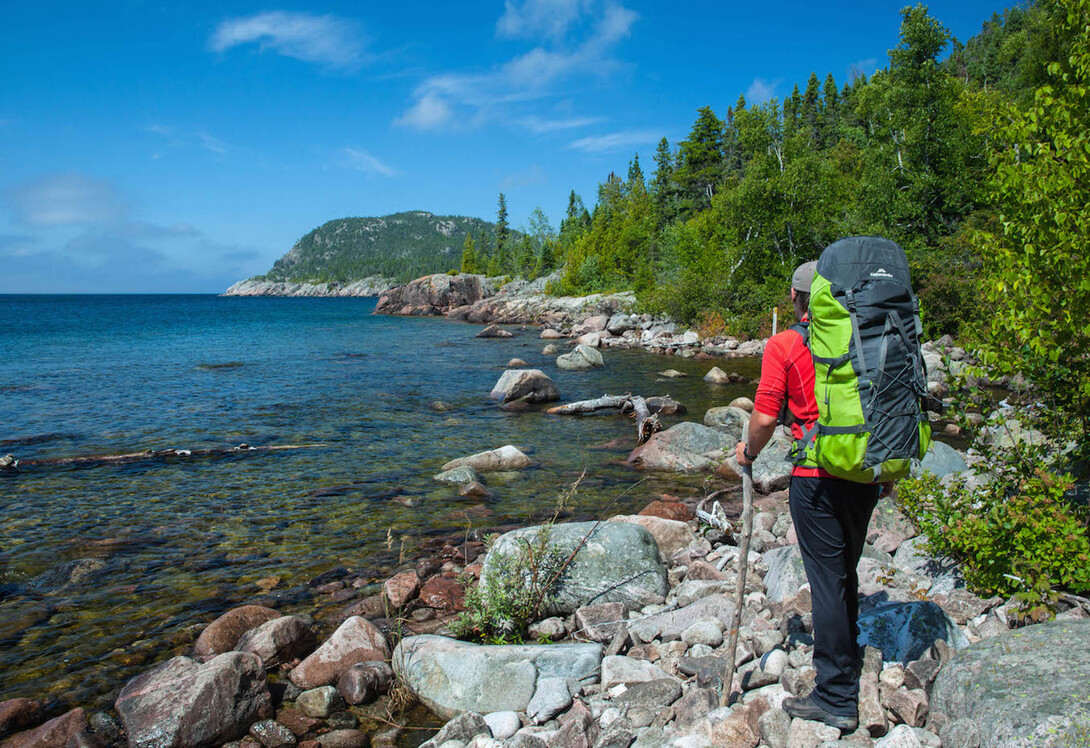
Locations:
(740, 591)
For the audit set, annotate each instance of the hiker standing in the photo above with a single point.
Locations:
(830, 514)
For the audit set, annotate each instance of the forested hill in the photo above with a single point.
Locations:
(399, 246)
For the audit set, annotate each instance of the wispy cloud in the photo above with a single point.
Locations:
(534, 175)
(361, 160)
(82, 236)
(862, 67)
(210, 143)
(616, 141)
(327, 40)
(760, 90)
(539, 18)
(64, 200)
(580, 37)
(540, 126)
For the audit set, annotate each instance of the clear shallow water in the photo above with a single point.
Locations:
(103, 568)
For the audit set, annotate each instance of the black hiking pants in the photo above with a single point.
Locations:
(831, 518)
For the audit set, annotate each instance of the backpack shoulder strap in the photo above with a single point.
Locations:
(803, 329)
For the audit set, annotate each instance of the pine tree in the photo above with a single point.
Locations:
(701, 161)
(502, 230)
(665, 195)
(791, 113)
(830, 112)
(808, 114)
(469, 256)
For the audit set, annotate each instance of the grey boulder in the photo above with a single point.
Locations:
(451, 677)
(529, 385)
(612, 562)
(583, 357)
(728, 419)
(1026, 688)
(506, 457)
(941, 459)
(771, 470)
(786, 574)
(185, 704)
(685, 448)
(278, 641)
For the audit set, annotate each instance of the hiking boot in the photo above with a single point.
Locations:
(808, 709)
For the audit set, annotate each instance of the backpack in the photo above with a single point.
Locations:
(864, 338)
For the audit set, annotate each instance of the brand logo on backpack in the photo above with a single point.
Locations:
(881, 273)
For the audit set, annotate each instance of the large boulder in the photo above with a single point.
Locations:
(71, 728)
(613, 562)
(941, 459)
(451, 676)
(944, 573)
(786, 573)
(357, 640)
(686, 448)
(186, 704)
(583, 357)
(530, 385)
(504, 458)
(1026, 688)
(905, 631)
(671, 535)
(728, 419)
(669, 625)
(434, 294)
(771, 469)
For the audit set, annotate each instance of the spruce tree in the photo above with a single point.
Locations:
(701, 161)
(502, 229)
(830, 112)
(663, 185)
(469, 256)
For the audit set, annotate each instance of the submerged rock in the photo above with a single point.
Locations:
(504, 458)
(615, 562)
(494, 331)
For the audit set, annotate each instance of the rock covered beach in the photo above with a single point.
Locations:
(634, 661)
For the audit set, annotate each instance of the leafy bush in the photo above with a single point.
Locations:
(1017, 535)
(517, 589)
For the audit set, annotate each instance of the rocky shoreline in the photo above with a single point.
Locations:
(364, 287)
(632, 659)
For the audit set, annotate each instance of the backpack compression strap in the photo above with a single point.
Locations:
(797, 453)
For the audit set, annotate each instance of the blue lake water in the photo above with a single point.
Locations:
(104, 568)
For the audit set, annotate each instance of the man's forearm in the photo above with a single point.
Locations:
(760, 430)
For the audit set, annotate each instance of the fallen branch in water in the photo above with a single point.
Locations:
(160, 454)
(644, 411)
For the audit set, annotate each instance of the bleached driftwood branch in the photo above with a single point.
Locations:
(647, 422)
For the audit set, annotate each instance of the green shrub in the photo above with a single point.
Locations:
(518, 588)
(1016, 535)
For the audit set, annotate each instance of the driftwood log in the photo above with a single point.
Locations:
(647, 422)
(161, 454)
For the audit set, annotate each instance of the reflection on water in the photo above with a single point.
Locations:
(105, 569)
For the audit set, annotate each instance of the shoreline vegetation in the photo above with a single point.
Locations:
(972, 580)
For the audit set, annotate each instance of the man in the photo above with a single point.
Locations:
(830, 515)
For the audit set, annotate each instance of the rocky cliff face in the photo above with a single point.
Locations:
(374, 286)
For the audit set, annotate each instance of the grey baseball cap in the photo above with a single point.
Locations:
(804, 276)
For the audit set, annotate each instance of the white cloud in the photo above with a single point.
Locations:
(537, 18)
(327, 40)
(760, 90)
(361, 160)
(65, 200)
(581, 39)
(616, 140)
(539, 126)
(212, 144)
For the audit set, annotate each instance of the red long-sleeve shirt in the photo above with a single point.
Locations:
(788, 371)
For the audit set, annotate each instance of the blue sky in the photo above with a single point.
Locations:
(178, 147)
